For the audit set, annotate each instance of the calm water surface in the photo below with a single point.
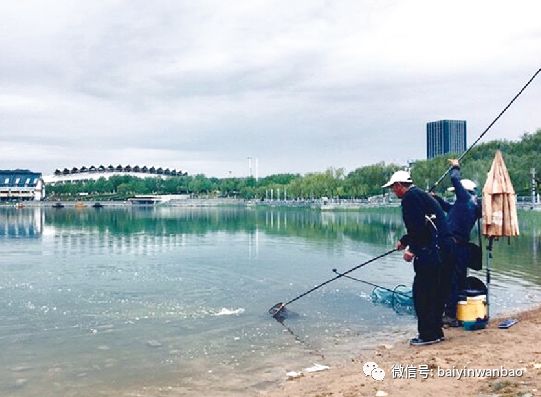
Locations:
(170, 301)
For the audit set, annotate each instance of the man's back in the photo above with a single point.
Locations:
(462, 215)
(424, 219)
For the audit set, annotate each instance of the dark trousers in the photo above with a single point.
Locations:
(427, 298)
(457, 272)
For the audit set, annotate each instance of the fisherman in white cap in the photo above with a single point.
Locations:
(426, 244)
(461, 218)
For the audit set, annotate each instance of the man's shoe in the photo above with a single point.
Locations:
(450, 322)
(424, 342)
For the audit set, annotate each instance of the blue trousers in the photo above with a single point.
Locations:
(456, 272)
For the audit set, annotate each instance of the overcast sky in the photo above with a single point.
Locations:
(301, 85)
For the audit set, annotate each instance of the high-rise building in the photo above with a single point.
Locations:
(445, 136)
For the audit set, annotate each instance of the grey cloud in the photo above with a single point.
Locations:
(302, 85)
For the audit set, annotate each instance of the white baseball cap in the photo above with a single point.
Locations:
(399, 176)
(468, 184)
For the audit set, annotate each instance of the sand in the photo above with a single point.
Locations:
(517, 349)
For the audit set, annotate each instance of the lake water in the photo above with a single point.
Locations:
(173, 301)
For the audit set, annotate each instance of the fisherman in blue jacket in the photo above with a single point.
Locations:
(427, 243)
(461, 218)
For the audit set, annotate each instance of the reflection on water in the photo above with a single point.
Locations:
(148, 228)
(111, 301)
(519, 257)
(15, 223)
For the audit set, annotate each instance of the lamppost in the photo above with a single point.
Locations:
(249, 166)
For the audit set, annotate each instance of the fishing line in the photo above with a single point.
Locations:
(372, 284)
(486, 130)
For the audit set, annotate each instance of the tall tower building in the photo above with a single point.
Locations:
(445, 136)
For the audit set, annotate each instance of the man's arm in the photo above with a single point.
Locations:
(446, 206)
(461, 193)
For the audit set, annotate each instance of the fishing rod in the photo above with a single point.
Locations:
(372, 284)
(279, 307)
(486, 130)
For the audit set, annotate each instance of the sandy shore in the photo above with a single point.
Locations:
(439, 369)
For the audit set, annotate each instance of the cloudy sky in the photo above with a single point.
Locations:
(301, 85)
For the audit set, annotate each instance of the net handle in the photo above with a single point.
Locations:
(283, 305)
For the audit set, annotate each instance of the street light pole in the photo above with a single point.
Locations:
(249, 166)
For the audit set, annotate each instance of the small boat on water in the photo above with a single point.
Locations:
(58, 205)
(97, 205)
(80, 204)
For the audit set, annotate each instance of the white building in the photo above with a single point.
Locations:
(21, 185)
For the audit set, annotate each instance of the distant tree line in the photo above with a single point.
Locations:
(520, 156)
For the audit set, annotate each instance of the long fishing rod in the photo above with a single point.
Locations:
(279, 307)
(372, 284)
(486, 130)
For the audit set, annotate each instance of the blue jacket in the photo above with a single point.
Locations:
(462, 215)
(423, 234)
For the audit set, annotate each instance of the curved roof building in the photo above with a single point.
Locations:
(94, 173)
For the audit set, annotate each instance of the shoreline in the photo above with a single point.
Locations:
(211, 203)
(467, 363)
(317, 205)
